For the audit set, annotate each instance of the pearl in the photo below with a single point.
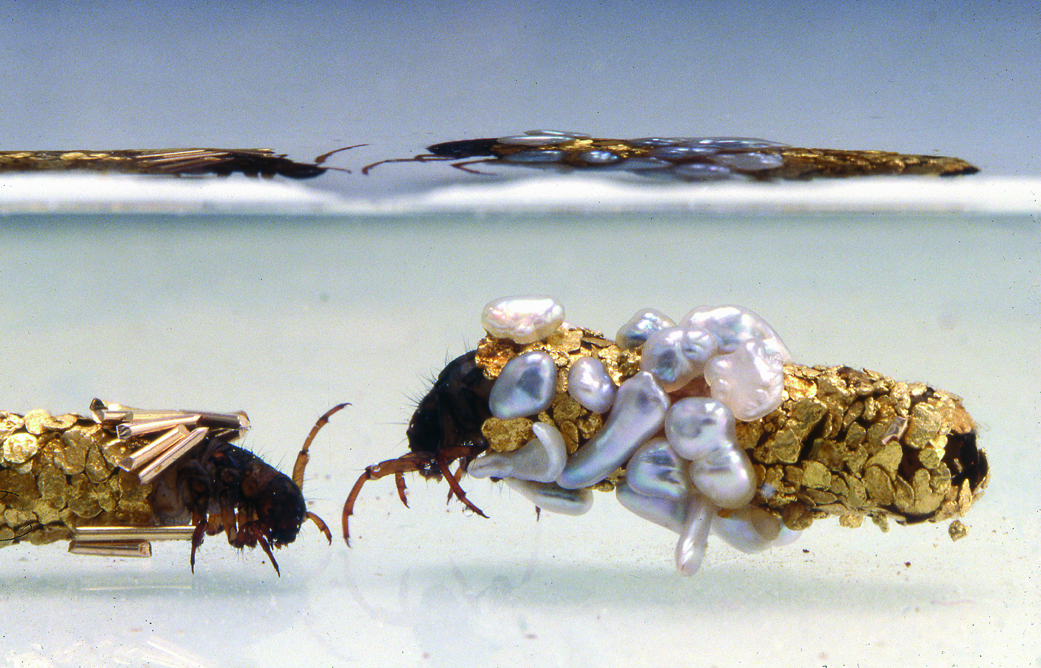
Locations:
(525, 386)
(733, 143)
(703, 431)
(675, 153)
(656, 470)
(753, 530)
(534, 140)
(638, 413)
(553, 498)
(535, 157)
(522, 319)
(749, 162)
(542, 459)
(599, 157)
(559, 133)
(634, 333)
(732, 325)
(656, 141)
(589, 384)
(676, 355)
(666, 513)
(690, 549)
(750, 380)
(696, 171)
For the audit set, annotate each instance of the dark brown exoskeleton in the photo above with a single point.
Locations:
(445, 427)
(229, 489)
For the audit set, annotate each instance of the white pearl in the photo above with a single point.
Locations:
(553, 498)
(522, 319)
(703, 431)
(753, 530)
(656, 470)
(668, 513)
(690, 549)
(634, 333)
(750, 380)
(525, 386)
(589, 384)
(639, 412)
(732, 325)
(676, 355)
(541, 460)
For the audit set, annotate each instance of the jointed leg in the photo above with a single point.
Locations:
(303, 457)
(454, 484)
(422, 157)
(395, 467)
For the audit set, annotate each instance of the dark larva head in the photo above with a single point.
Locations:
(452, 413)
(281, 508)
(466, 148)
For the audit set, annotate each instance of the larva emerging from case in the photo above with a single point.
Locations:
(700, 426)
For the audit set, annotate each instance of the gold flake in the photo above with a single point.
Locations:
(957, 530)
(19, 448)
(507, 435)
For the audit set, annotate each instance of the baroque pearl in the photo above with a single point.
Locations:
(634, 333)
(750, 380)
(522, 319)
(690, 549)
(668, 513)
(542, 459)
(589, 384)
(733, 325)
(676, 355)
(656, 470)
(639, 412)
(703, 431)
(525, 386)
(552, 497)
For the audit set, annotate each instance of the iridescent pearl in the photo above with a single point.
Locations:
(553, 498)
(656, 470)
(535, 157)
(559, 133)
(589, 384)
(703, 431)
(666, 513)
(522, 319)
(750, 380)
(732, 325)
(542, 459)
(634, 333)
(753, 530)
(599, 157)
(696, 171)
(639, 412)
(733, 143)
(749, 162)
(690, 549)
(676, 355)
(540, 139)
(525, 386)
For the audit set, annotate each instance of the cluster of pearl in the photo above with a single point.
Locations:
(679, 448)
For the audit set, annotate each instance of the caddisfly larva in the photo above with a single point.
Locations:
(114, 481)
(682, 158)
(705, 425)
(169, 162)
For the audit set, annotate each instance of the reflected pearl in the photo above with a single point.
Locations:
(525, 386)
(553, 498)
(690, 549)
(753, 530)
(522, 319)
(750, 380)
(656, 470)
(634, 333)
(703, 431)
(589, 384)
(666, 513)
(749, 162)
(541, 139)
(732, 325)
(639, 412)
(541, 460)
